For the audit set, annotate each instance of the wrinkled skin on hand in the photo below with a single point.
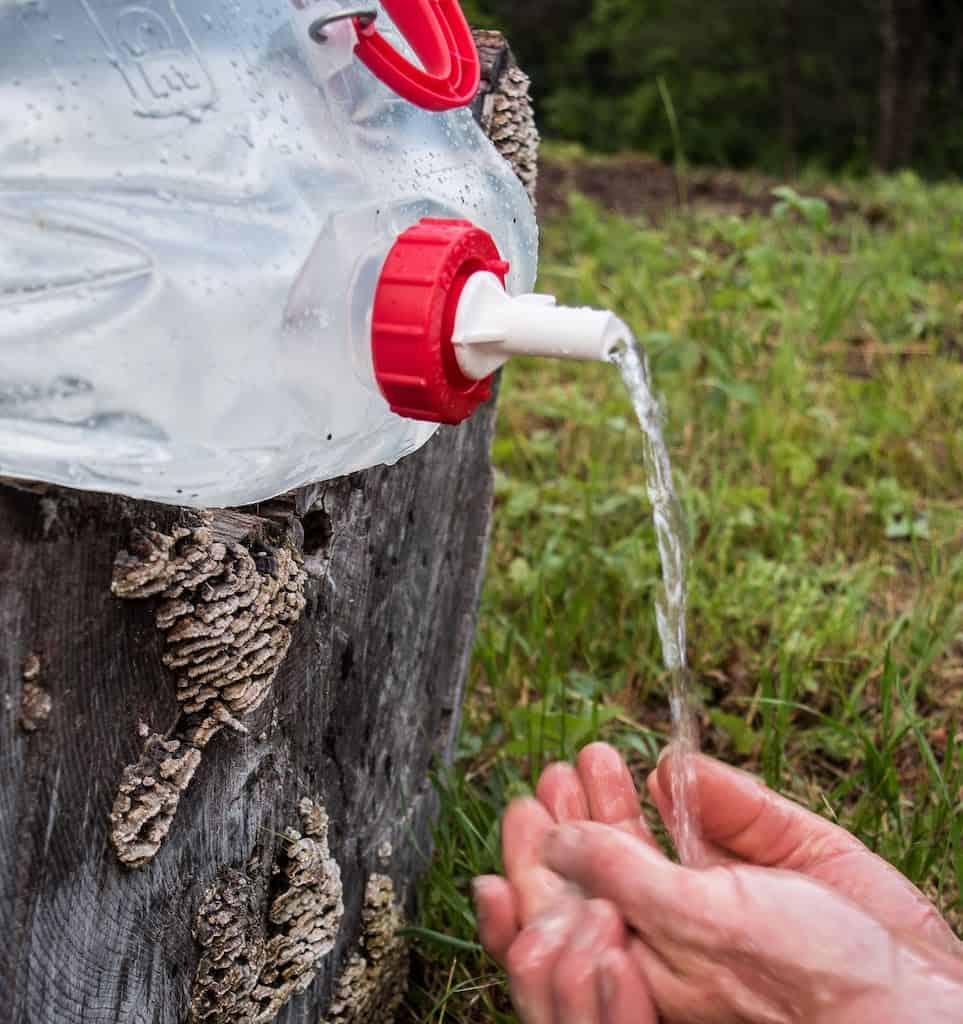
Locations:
(793, 920)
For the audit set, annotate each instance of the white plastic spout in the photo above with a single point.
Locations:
(491, 325)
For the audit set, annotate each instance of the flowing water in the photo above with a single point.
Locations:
(670, 604)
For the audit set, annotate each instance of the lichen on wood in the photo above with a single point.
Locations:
(375, 978)
(147, 798)
(505, 108)
(226, 615)
(230, 931)
(35, 702)
(252, 963)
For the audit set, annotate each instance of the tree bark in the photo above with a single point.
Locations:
(907, 35)
(954, 58)
(791, 84)
(888, 84)
(918, 49)
(216, 730)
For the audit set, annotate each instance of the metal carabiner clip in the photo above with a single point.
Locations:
(365, 16)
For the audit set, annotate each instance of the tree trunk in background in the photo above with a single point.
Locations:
(216, 730)
(907, 38)
(888, 84)
(917, 47)
(954, 59)
(791, 79)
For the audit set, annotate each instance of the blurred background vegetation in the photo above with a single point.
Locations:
(779, 85)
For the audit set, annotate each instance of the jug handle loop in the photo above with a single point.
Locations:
(439, 34)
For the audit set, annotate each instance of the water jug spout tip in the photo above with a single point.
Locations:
(491, 326)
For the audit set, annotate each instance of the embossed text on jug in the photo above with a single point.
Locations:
(152, 48)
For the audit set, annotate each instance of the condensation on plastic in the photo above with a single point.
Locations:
(195, 202)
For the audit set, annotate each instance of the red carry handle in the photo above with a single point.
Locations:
(440, 36)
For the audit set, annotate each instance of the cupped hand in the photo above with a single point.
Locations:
(794, 920)
(567, 957)
(743, 820)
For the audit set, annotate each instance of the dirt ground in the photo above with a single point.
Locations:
(639, 184)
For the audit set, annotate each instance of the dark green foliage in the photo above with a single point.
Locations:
(767, 83)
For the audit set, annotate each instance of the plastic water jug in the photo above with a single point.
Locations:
(242, 244)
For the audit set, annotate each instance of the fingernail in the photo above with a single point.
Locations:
(664, 753)
(561, 843)
(478, 887)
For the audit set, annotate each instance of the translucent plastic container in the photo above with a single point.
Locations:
(196, 198)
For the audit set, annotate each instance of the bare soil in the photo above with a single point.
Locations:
(636, 184)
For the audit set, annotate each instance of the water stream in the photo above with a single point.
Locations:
(670, 603)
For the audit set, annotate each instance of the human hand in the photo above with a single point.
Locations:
(743, 820)
(566, 957)
(744, 824)
(794, 921)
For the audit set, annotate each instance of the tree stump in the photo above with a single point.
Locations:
(216, 729)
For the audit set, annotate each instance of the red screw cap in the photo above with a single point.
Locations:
(415, 303)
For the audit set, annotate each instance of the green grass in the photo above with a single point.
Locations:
(812, 371)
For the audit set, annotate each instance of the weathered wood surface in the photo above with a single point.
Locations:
(236, 908)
